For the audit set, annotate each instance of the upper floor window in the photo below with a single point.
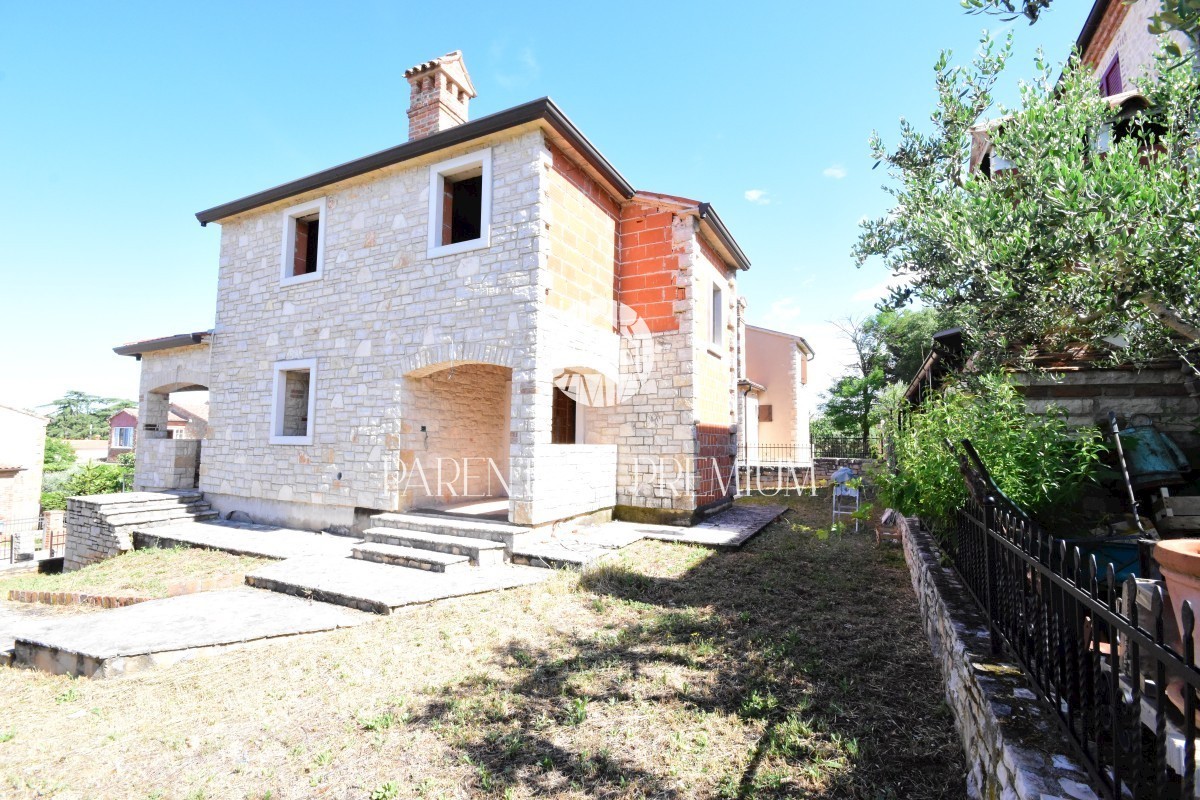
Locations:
(460, 204)
(122, 437)
(716, 318)
(1110, 84)
(303, 257)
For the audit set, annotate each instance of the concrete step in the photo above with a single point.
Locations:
(154, 505)
(199, 511)
(482, 552)
(503, 532)
(428, 560)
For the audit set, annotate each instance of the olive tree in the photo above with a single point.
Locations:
(1090, 234)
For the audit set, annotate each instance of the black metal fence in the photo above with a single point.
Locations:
(1122, 683)
(791, 455)
(841, 447)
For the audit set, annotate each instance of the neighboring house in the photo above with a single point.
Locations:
(489, 311)
(89, 451)
(775, 401)
(185, 420)
(22, 452)
(1116, 44)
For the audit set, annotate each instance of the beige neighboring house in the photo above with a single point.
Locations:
(775, 400)
(22, 451)
(487, 314)
(89, 451)
(187, 418)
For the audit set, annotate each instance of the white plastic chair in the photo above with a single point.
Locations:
(845, 497)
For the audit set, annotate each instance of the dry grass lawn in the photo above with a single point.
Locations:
(794, 668)
(138, 573)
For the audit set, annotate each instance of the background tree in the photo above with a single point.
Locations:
(78, 415)
(889, 347)
(1066, 246)
(849, 403)
(59, 456)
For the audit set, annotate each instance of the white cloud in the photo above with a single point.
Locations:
(835, 171)
(515, 70)
(757, 196)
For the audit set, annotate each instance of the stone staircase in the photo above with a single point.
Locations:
(438, 543)
(101, 526)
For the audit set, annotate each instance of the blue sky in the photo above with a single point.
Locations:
(121, 120)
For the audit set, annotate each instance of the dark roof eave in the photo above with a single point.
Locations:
(136, 349)
(542, 109)
(709, 214)
(1091, 25)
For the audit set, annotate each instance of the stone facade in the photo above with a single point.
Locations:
(167, 464)
(1013, 747)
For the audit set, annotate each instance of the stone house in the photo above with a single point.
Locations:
(186, 419)
(1116, 44)
(22, 452)
(485, 319)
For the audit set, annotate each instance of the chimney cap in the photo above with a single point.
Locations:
(452, 63)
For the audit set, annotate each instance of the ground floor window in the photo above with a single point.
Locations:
(294, 399)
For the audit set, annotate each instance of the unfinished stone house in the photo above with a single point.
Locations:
(487, 319)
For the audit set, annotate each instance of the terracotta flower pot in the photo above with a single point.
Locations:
(1179, 562)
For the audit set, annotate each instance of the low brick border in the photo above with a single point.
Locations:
(1013, 745)
(119, 601)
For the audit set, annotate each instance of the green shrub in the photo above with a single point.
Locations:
(54, 501)
(1038, 461)
(59, 455)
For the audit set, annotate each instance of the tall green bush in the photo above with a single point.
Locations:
(1038, 461)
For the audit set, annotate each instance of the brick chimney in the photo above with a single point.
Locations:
(440, 91)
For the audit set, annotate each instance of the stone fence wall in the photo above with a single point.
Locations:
(167, 464)
(1014, 749)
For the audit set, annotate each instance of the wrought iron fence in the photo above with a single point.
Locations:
(769, 455)
(6, 549)
(1123, 689)
(840, 447)
(772, 455)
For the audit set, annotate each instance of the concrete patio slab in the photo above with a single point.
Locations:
(725, 530)
(166, 631)
(247, 539)
(577, 548)
(379, 588)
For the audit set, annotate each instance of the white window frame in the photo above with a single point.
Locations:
(113, 441)
(277, 397)
(716, 319)
(437, 176)
(287, 255)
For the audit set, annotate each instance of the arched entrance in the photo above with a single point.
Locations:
(169, 440)
(457, 421)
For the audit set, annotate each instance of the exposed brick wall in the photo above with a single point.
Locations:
(648, 266)
(714, 467)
